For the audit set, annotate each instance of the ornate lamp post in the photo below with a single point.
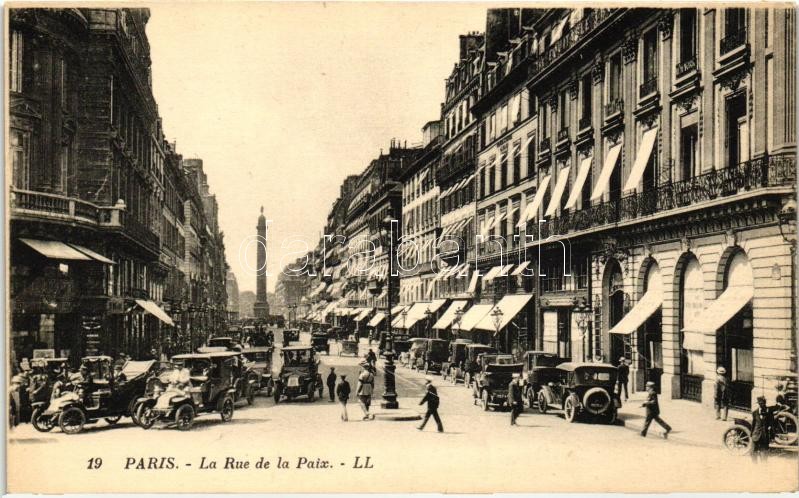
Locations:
(428, 314)
(583, 318)
(496, 316)
(390, 393)
(456, 323)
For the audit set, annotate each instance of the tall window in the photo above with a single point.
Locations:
(492, 181)
(689, 138)
(63, 179)
(482, 183)
(63, 77)
(586, 88)
(564, 122)
(650, 62)
(544, 121)
(687, 35)
(503, 167)
(517, 166)
(734, 21)
(737, 130)
(20, 159)
(530, 157)
(15, 61)
(614, 77)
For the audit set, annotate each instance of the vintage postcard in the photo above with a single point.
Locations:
(400, 247)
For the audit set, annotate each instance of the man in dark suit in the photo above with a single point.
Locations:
(331, 384)
(653, 411)
(515, 400)
(762, 425)
(431, 398)
(623, 378)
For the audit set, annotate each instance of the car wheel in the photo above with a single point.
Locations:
(71, 420)
(144, 415)
(311, 393)
(738, 440)
(184, 417)
(42, 423)
(133, 409)
(528, 397)
(542, 403)
(113, 420)
(570, 409)
(227, 410)
(785, 428)
(484, 399)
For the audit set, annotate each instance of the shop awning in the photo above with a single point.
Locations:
(531, 211)
(473, 316)
(560, 187)
(492, 273)
(720, 311)
(473, 282)
(579, 181)
(519, 269)
(92, 254)
(607, 169)
(376, 320)
(415, 313)
(641, 160)
(155, 310)
(510, 305)
(55, 250)
(643, 309)
(449, 315)
(399, 309)
(363, 314)
(436, 305)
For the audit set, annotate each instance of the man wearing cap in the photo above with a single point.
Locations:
(653, 411)
(721, 398)
(343, 393)
(624, 377)
(515, 400)
(762, 425)
(331, 384)
(431, 398)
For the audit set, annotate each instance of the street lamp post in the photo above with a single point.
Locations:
(496, 316)
(457, 322)
(390, 393)
(428, 314)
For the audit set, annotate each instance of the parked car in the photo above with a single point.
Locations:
(582, 388)
(298, 375)
(416, 351)
(290, 335)
(491, 383)
(539, 369)
(348, 347)
(319, 343)
(260, 362)
(100, 395)
(434, 354)
(453, 369)
(228, 343)
(471, 366)
(200, 383)
(52, 368)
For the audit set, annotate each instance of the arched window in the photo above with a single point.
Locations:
(734, 339)
(692, 303)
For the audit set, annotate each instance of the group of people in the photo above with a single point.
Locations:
(364, 388)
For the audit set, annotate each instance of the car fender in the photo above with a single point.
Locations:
(547, 393)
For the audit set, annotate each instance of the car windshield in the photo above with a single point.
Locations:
(297, 356)
(197, 366)
(544, 360)
(136, 368)
(256, 356)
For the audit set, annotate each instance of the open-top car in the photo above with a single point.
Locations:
(471, 366)
(453, 368)
(99, 394)
(290, 335)
(434, 354)
(50, 371)
(320, 343)
(259, 361)
(583, 388)
(491, 383)
(539, 369)
(298, 374)
(199, 383)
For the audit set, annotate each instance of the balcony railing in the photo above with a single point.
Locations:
(733, 41)
(563, 134)
(686, 67)
(757, 173)
(615, 106)
(61, 207)
(648, 87)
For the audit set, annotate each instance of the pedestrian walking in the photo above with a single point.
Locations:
(623, 378)
(762, 426)
(515, 400)
(721, 398)
(371, 358)
(366, 382)
(343, 393)
(432, 400)
(653, 411)
(331, 384)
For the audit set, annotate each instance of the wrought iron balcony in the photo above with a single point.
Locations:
(615, 106)
(648, 87)
(686, 67)
(733, 41)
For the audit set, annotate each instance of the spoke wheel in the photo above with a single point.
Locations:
(184, 417)
(785, 428)
(738, 440)
(227, 410)
(570, 410)
(145, 416)
(71, 420)
(42, 423)
(542, 402)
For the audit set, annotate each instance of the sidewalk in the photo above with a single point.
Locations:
(691, 422)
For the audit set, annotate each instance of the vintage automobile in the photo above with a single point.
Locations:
(259, 361)
(319, 343)
(53, 369)
(539, 369)
(228, 343)
(290, 335)
(471, 366)
(415, 352)
(348, 347)
(491, 382)
(101, 395)
(200, 383)
(582, 388)
(738, 437)
(453, 368)
(434, 354)
(298, 375)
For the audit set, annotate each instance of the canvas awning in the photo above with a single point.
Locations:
(492, 273)
(649, 303)
(436, 305)
(579, 181)
(473, 316)
(376, 320)
(155, 310)
(607, 169)
(531, 211)
(510, 305)
(473, 282)
(560, 187)
(92, 254)
(721, 310)
(54, 249)
(641, 160)
(519, 269)
(449, 315)
(415, 313)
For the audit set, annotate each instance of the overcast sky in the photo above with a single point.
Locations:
(282, 101)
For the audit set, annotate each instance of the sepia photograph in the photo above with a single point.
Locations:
(400, 247)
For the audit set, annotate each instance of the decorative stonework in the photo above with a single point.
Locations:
(629, 49)
(553, 102)
(732, 80)
(687, 102)
(598, 69)
(730, 239)
(573, 86)
(665, 24)
(649, 120)
(686, 244)
(614, 135)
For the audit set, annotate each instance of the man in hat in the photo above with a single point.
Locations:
(343, 393)
(623, 378)
(515, 400)
(653, 411)
(331, 384)
(721, 397)
(762, 425)
(366, 382)
(432, 400)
